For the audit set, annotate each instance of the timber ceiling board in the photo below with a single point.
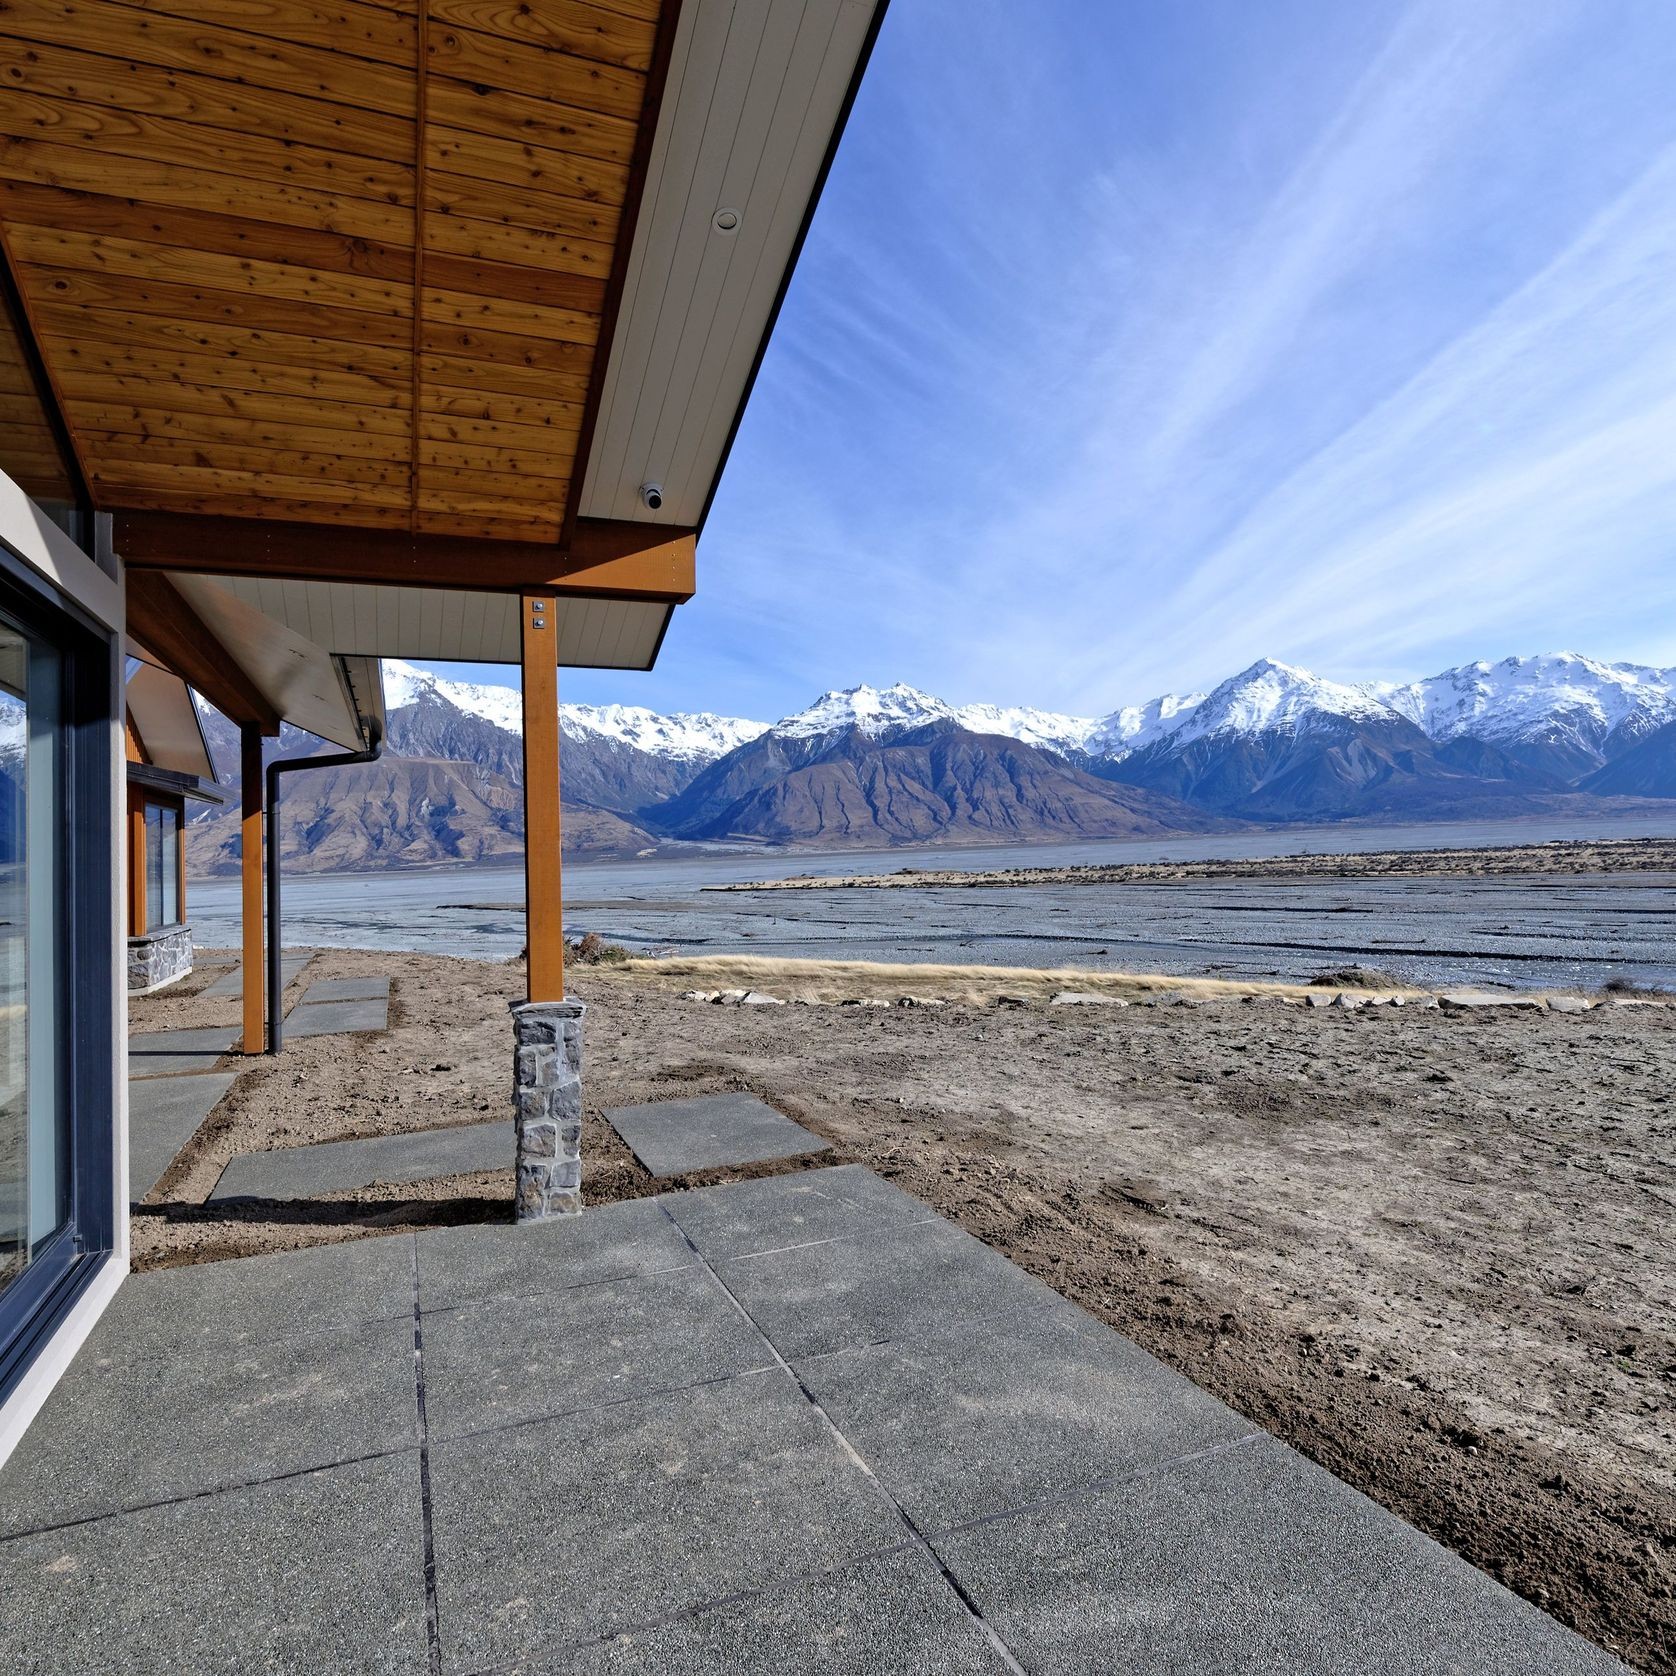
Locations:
(29, 452)
(324, 260)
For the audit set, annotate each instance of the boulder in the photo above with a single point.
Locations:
(1085, 998)
(1475, 1000)
(698, 995)
(1319, 1000)
(728, 997)
(920, 1001)
(1569, 1004)
(1011, 1001)
(755, 998)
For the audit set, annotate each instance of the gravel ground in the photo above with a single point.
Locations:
(1432, 1250)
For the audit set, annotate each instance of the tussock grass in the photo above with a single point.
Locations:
(838, 980)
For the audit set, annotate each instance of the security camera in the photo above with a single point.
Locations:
(652, 494)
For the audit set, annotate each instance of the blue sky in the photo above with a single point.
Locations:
(1134, 341)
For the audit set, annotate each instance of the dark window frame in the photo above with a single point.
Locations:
(34, 1305)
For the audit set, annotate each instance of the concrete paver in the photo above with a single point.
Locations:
(167, 1053)
(291, 965)
(742, 1218)
(675, 1137)
(164, 1113)
(303, 1172)
(1249, 1561)
(336, 1018)
(664, 1505)
(507, 1360)
(323, 1572)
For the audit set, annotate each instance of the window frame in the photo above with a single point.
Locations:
(34, 1305)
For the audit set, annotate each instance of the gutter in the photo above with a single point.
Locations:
(293, 765)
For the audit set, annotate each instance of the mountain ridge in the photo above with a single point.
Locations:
(1274, 744)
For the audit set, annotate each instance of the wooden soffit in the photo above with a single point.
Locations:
(338, 262)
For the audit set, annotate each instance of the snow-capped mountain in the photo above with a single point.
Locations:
(1276, 742)
(1271, 697)
(685, 737)
(1559, 710)
(696, 738)
(404, 685)
(1054, 732)
(1135, 726)
(872, 711)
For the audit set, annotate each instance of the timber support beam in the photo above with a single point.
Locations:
(606, 558)
(160, 618)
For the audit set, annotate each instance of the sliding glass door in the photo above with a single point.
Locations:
(59, 1101)
(34, 1137)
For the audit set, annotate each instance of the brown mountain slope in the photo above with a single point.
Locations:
(937, 784)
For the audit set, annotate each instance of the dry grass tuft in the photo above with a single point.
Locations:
(838, 980)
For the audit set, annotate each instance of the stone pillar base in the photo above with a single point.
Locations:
(159, 958)
(547, 1100)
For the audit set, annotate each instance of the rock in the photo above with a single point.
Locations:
(1569, 1004)
(1011, 1001)
(1318, 1001)
(1085, 998)
(863, 1001)
(920, 1001)
(698, 995)
(1474, 1000)
(728, 997)
(755, 998)
(1399, 1000)
(1349, 1002)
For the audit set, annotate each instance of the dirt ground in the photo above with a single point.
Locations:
(1432, 1250)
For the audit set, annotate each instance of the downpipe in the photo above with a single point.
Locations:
(294, 765)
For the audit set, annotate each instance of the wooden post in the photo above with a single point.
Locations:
(250, 879)
(180, 866)
(137, 915)
(543, 883)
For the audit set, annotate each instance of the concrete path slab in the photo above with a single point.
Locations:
(305, 1172)
(513, 1359)
(675, 1137)
(1250, 1561)
(291, 965)
(323, 1572)
(1066, 1405)
(166, 1053)
(892, 1615)
(297, 1402)
(346, 989)
(663, 1505)
(891, 1283)
(744, 1217)
(230, 1307)
(464, 1265)
(336, 1018)
(164, 1113)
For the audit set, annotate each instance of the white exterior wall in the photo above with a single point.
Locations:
(39, 542)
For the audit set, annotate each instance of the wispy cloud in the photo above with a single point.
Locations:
(1135, 343)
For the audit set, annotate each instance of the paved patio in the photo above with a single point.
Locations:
(798, 1424)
